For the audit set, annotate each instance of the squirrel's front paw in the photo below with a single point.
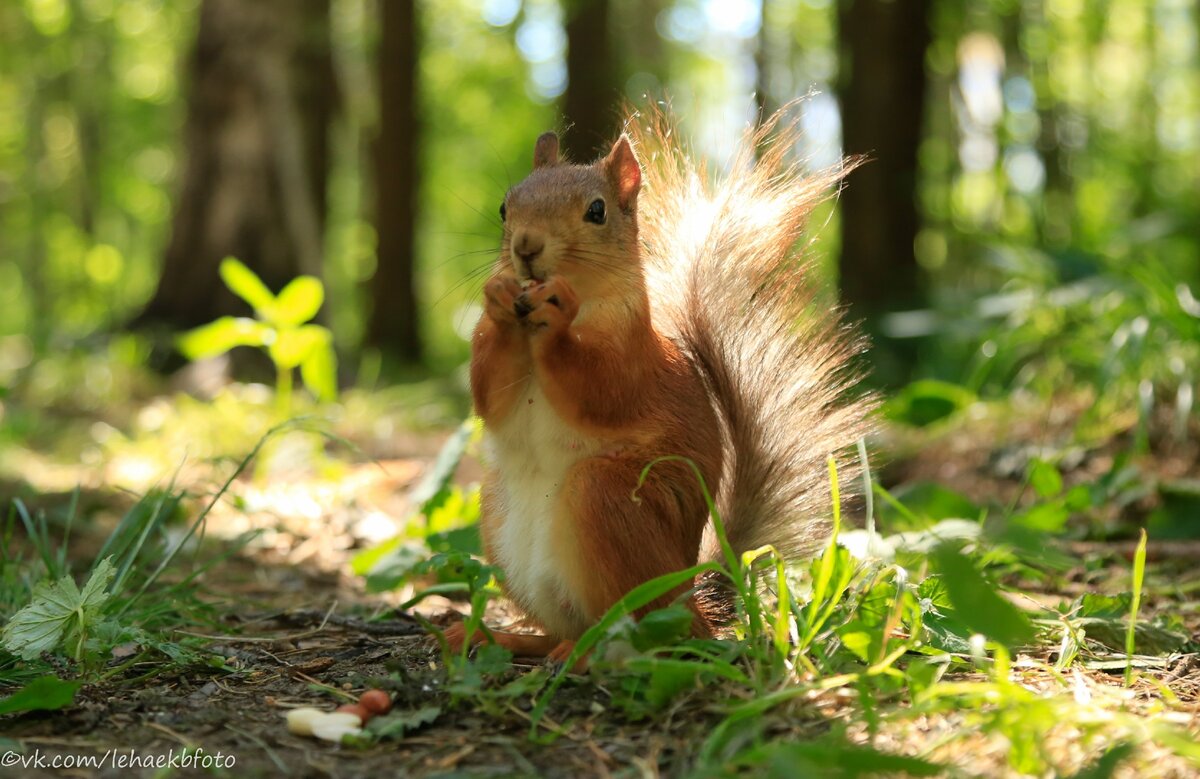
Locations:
(551, 304)
(501, 294)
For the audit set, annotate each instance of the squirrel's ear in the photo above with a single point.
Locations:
(545, 151)
(623, 171)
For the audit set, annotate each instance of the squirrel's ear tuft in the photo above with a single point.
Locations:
(624, 171)
(545, 151)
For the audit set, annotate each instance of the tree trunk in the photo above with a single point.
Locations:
(393, 325)
(317, 94)
(640, 51)
(591, 104)
(883, 88)
(252, 185)
(764, 59)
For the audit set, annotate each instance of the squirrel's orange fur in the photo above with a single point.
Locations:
(637, 313)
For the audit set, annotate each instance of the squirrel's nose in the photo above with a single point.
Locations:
(527, 247)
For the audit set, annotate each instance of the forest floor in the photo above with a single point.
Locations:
(286, 623)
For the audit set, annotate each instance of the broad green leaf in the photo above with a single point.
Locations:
(390, 570)
(366, 561)
(1046, 480)
(458, 567)
(943, 631)
(58, 611)
(454, 508)
(492, 659)
(668, 679)
(933, 589)
(298, 302)
(662, 627)
(927, 401)
(292, 347)
(49, 693)
(1078, 498)
(462, 539)
(319, 370)
(523, 686)
(1093, 604)
(1043, 518)
(222, 335)
(437, 479)
(860, 640)
(93, 595)
(396, 724)
(1175, 518)
(876, 606)
(976, 601)
(244, 283)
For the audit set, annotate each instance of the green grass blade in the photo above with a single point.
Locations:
(1139, 575)
(39, 537)
(868, 491)
(825, 570)
(242, 465)
(912, 519)
(824, 576)
(636, 598)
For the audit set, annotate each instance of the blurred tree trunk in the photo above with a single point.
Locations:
(1053, 214)
(883, 88)
(640, 51)
(318, 98)
(393, 325)
(253, 183)
(591, 104)
(764, 60)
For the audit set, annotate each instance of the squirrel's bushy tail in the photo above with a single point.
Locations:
(777, 356)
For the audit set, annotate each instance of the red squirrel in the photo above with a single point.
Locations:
(640, 312)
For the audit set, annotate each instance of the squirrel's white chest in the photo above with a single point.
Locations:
(532, 452)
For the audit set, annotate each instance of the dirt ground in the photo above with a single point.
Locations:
(276, 659)
(295, 622)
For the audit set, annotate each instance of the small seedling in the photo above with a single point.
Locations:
(278, 327)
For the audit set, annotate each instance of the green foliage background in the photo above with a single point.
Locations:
(1058, 183)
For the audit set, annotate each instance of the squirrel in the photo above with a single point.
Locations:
(636, 313)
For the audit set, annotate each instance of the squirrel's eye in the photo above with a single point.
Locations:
(595, 212)
(503, 212)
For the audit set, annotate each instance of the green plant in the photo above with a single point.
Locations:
(1139, 575)
(446, 520)
(1120, 324)
(48, 616)
(460, 574)
(60, 615)
(124, 598)
(45, 693)
(911, 625)
(279, 328)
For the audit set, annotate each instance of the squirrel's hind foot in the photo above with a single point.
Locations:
(520, 644)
